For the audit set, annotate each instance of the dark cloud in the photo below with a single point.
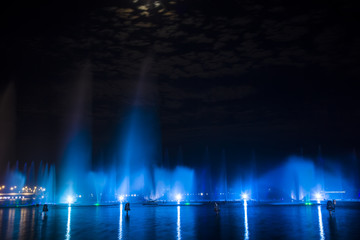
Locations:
(117, 38)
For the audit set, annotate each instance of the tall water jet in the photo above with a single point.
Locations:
(183, 181)
(139, 146)
(139, 152)
(77, 151)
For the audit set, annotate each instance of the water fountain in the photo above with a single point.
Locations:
(136, 168)
(298, 180)
(22, 187)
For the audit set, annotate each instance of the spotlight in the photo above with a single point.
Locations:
(318, 197)
(121, 198)
(178, 197)
(245, 196)
(70, 199)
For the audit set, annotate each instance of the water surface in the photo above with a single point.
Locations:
(235, 221)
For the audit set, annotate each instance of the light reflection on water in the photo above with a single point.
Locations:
(67, 236)
(23, 214)
(321, 228)
(246, 235)
(33, 212)
(1, 217)
(178, 226)
(120, 221)
(179, 222)
(11, 217)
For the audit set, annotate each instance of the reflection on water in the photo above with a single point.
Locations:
(321, 228)
(120, 221)
(23, 215)
(246, 221)
(333, 227)
(10, 224)
(43, 225)
(180, 222)
(33, 222)
(67, 236)
(22, 222)
(178, 228)
(1, 217)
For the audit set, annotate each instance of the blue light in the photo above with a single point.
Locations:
(70, 199)
(178, 197)
(318, 197)
(245, 196)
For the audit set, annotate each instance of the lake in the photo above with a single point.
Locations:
(235, 221)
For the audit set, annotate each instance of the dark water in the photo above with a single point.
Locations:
(185, 222)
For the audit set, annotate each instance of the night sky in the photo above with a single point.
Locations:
(270, 78)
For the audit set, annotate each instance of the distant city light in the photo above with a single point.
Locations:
(178, 197)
